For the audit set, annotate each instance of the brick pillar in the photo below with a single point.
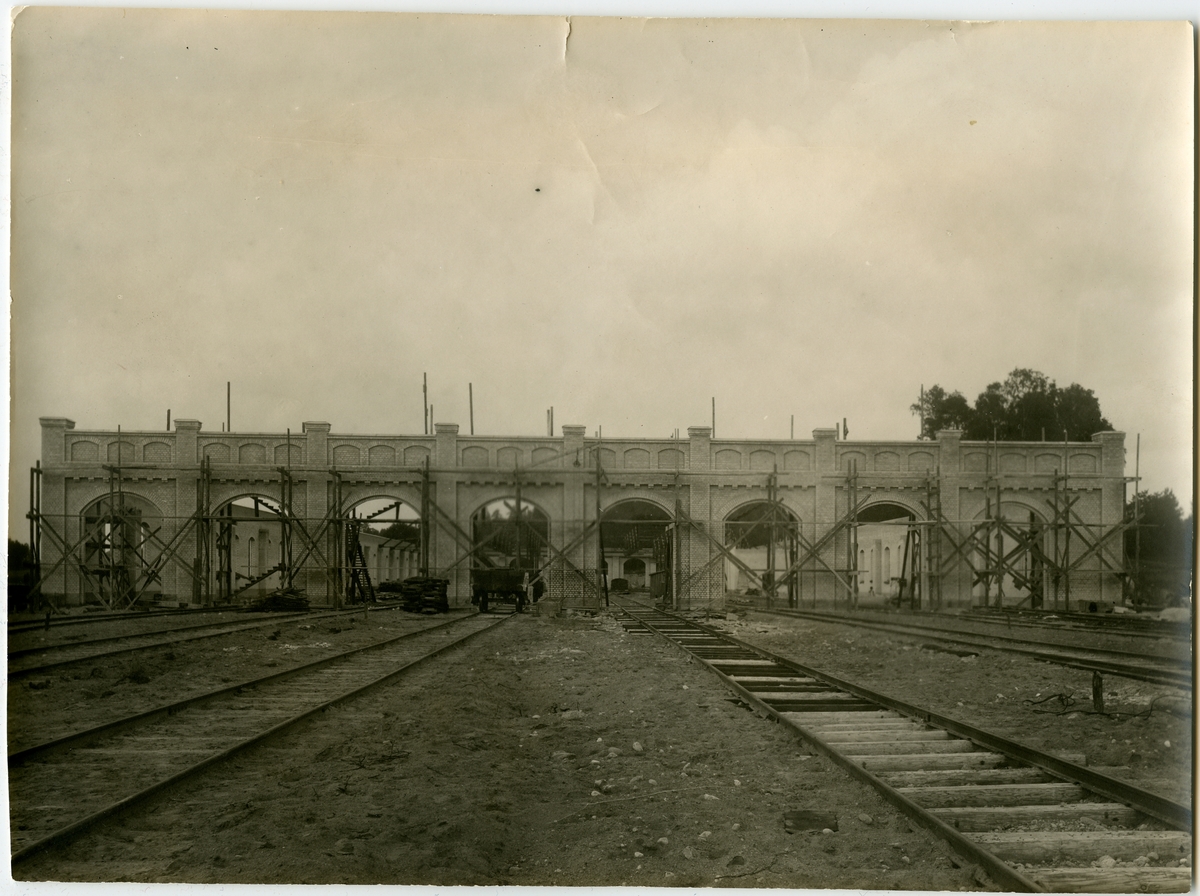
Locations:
(704, 589)
(1112, 505)
(444, 481)
(187, 434)
(826, 512)
(575, 507)
(186, 487)
(957, 582)
(318, 584)
(54, 506)
(54, 439)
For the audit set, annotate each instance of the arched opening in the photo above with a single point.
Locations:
(510, 540)
(381, 547)
(120, 538)
(1010, 558)
(250, 543)
(889, 542)
(508, 535)
(635, 539)
(763, 536)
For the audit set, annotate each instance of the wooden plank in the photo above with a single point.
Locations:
(1113, 880)
(860, 735)
(990, 818)
(817, 718)
(868, 724)
(745, 662)
(962, 777)
(928, 761)
(1083, 847)
(994, 795)
(905, 747)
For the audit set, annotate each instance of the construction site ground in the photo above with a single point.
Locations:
(567, 751)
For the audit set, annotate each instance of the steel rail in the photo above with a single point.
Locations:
(1181, 678)
(108, 639)
(1134, 626)
(75, 829)
(1173, 814)
(14, 674)
(78, 738)
(20, 626)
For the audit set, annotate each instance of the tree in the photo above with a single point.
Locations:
(1161, 545)
(404, 531)
(1027, 406)
(941, 411)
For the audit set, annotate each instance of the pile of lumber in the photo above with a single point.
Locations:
(425, 593)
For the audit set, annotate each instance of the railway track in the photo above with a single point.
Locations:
(23, 662)
(1128, 625)
(62, 788)
(1128, 664)
(20, 626)
(1032, 821)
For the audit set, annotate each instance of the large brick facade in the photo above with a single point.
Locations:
(706, 478)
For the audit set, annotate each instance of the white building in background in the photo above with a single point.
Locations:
(387, 559)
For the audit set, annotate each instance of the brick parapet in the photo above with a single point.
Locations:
(714, 476)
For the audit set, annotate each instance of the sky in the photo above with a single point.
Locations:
(620, 218)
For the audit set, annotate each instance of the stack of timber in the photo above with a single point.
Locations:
(285, 599)
(425, 593)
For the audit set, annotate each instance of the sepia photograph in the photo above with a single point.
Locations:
(804, 491)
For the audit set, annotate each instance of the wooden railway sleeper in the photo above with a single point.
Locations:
(952, 783)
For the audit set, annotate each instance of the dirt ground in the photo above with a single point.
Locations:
(558, 751)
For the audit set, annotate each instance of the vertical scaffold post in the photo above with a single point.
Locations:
(677, 555)
(852, 510)
(931, 542)
(769, 584)
(1055, 574)
(288, 577)
(35, 527)
(999, 532)
(600, 558)
(425, 518)
(1066, 559)
(1137, 519)
(202, 579)
(339, 541)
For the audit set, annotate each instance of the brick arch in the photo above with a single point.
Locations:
(647, 499)
(797, 460)
(904, 503)
(636, 459)
(509, 496)
(750, 502)
(381, 456)
(508, 457)
(217, 452)
(373, 493)
(121, 451)
(152, 506)
(887, 461)
(415, 455)
(474, 456)
(156, 453)
(1043, 513)
(252, 453)
(85, 450)
(237, 494)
